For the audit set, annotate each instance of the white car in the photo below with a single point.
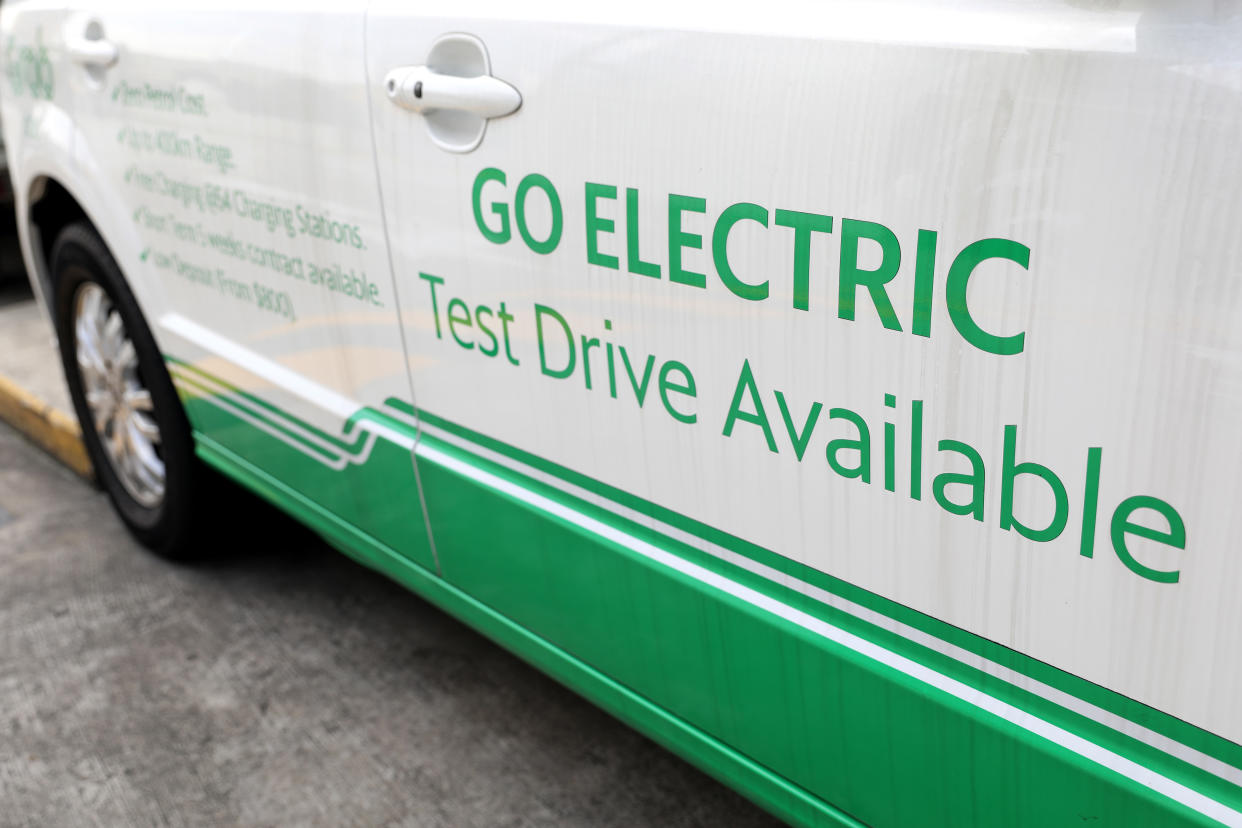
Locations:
(846, 394)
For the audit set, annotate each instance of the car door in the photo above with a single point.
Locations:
(774, 361)
(229, 148)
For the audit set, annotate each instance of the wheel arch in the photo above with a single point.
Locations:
(51, 209)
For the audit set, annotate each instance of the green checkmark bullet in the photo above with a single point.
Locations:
(142, 257)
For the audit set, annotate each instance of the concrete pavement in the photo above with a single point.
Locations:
(33, 395)
(28, 355)
(283, 685)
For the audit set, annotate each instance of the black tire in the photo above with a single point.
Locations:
(169, 527)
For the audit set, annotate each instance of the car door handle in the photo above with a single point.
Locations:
(422, 90)
(98, 53)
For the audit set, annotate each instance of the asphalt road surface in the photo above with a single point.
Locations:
(283, 685)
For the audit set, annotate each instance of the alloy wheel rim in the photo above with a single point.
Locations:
(120, 406)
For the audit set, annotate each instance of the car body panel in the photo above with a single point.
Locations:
(948, 541)
(242, 201)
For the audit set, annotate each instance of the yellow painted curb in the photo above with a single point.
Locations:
(55, 432)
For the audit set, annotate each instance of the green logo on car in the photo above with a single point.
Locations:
(28, 68)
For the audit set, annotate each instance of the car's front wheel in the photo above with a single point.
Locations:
(133, 424)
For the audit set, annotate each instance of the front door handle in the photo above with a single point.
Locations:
(422, 90)
(454, 91)
(100, 53)
(86, 44)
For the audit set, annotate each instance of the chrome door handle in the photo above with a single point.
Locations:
(422, 90)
